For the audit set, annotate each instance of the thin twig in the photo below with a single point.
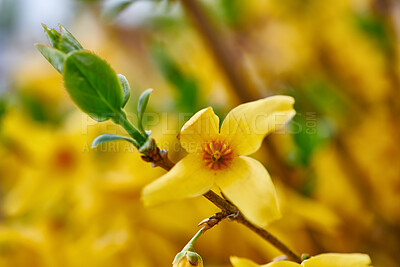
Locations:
(213, 220)
(269, 237)
(228, 209)
(228, 62)
(237, 81)
(157, 157)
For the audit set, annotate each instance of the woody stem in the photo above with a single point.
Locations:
(232, 211)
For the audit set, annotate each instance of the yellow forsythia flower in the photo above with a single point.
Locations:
(322, 260)
(218, 157)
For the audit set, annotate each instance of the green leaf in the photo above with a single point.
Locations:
(125, 87)
(114, 8)
(67, 42)
(93, 85)
(52, 35)
(147, 145)
(104, 138)
(54, 56)
(141, 108)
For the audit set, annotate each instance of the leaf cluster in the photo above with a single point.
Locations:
(93, 85)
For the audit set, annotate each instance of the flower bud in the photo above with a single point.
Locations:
(187, 259)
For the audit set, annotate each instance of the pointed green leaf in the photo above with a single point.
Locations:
(93, 85)
(147, 145)
(52, 35)
(142, 104)
(98, 118)
(67, 42)
(125, 87)
(178, 257)
(54, 56)
(104, 138)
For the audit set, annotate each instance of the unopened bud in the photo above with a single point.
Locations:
(187, 259)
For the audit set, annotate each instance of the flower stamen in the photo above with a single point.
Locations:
(217, 154)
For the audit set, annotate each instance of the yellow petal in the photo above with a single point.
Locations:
(282, 264)
(246, 125)
(250, 188)
(202, 126)
(188, 178)
(338, 260)
(242, 262)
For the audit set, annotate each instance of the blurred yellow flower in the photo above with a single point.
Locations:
(219, 157)
(322, 260)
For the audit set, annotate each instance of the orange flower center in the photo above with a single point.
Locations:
(217, 155)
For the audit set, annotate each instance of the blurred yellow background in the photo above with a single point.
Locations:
(336, 166)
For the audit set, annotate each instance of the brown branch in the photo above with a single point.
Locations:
(234, 76)
(228, 209)
(270, 238)
(229, 62)
(220, 202)
(157, 157)
(213, 220)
